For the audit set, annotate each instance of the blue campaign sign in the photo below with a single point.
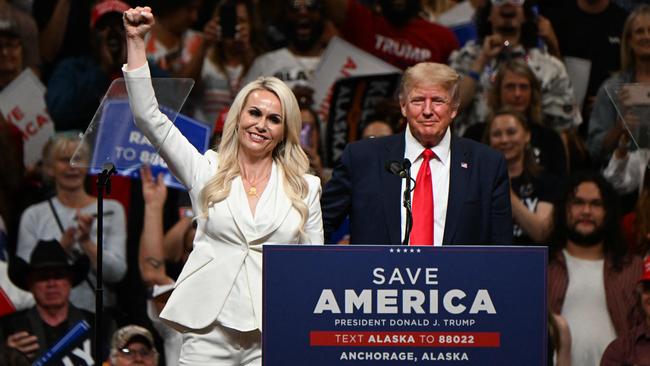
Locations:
(123, 144)
(383, 305)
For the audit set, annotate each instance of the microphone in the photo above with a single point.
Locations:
(406, 164)
(397, 168)
(403, 170)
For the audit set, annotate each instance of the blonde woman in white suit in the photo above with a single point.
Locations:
(255, 190)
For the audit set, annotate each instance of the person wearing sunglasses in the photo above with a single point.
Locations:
(509, 29)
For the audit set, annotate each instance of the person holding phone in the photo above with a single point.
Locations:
(233, 41)
(254, 190)
(173, 45)
(508, 29)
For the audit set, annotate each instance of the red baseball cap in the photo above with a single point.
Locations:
(105, 7)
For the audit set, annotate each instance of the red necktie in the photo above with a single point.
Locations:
(422, 231)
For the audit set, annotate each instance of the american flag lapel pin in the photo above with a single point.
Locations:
(463, 165)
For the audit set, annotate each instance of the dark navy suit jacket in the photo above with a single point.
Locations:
(478, 210)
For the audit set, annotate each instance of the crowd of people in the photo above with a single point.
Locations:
(534, 92)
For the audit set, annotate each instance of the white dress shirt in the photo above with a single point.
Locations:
(439, 165)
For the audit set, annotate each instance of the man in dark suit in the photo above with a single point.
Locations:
(467, 181)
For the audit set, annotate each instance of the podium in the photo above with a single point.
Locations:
(398, 305)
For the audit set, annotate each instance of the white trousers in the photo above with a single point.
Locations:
(221, 346)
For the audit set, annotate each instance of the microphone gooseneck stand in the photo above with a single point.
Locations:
(406, 170)
(403, 170)
(103, 181)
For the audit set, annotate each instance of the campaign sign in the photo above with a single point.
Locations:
(391, 305)
(22, 103)
(127, 147)
(342, 59)
(354, 104)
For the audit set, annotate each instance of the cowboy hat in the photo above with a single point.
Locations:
(47, 254)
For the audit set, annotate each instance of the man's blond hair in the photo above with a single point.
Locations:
(431, 73)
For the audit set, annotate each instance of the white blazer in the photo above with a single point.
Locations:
(222, 278)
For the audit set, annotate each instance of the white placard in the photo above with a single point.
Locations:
(342, 59)
(578, 70)
(22, 103)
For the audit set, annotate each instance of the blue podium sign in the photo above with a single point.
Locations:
(128, 148)
(385, 305)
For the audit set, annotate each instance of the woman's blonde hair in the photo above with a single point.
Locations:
(288, 154)
(60, 142)
(628, 59)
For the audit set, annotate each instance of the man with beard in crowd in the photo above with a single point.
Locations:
(294, 64)
(398, 35)
(591, 280)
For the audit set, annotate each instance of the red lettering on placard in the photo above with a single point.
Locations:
(16, 114)
(349, 65)
(31, 128)
(41, 120)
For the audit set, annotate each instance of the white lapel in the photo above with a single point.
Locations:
(271, 211)
(241, 214)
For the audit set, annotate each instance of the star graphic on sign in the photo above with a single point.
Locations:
(412, 250)
(398, 250)
(391, 250)
(418, 250)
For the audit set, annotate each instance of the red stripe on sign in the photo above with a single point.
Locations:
(6, 305)
(405, 339)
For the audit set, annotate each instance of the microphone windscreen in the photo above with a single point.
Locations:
(406, 164)
(393, 167)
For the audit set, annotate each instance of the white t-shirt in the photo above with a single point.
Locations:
(284, 65)
(38, 223)
(218, 90)
(585, 309)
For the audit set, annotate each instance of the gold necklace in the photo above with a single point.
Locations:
(252, 186)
